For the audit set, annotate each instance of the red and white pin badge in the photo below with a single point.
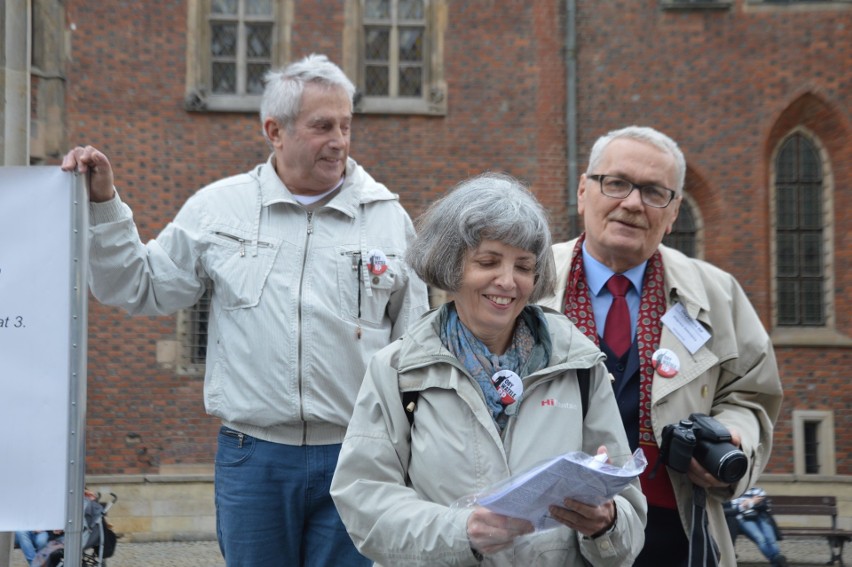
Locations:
(666, 363)
(509, 385)
(377, 262)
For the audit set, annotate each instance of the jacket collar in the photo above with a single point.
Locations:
(682, 280)
(358, 188)
(684, 283)
(421, 347)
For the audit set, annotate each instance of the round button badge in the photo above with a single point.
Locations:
(509, 385)
(377, 262)
(666, 363)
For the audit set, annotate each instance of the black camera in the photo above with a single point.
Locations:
(709, 442)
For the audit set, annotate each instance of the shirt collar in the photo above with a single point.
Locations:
(597, 274)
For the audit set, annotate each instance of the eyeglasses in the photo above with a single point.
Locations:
(618, 188)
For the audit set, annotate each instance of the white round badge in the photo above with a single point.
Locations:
(666, 363)
(377, 262)
(509, 385)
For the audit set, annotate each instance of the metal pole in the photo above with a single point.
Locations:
(571, 113)
(77, 383)
(14, 118)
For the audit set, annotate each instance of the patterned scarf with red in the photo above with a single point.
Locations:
(578, 308)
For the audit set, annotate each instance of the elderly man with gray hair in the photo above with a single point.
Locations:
(492, 386)
(303, 255)
(681, 338)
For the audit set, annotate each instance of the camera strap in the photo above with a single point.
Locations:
(703, 551)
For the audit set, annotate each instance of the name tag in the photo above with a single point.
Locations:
(688, 331)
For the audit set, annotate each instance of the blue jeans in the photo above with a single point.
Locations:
(760, 531)
(30, 543)
(273, 505)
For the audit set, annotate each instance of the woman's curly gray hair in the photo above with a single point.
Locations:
(491, 206)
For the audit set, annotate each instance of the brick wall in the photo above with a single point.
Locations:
(727, 84)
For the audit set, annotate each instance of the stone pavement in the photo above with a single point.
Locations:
(799, 552)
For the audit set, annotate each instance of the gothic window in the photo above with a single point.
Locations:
(799, 234)
(684, 234)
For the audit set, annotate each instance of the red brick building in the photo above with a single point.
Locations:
(757, 92)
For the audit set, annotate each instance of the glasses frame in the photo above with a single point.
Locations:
(633, 186)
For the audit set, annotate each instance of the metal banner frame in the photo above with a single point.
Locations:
(78, 351)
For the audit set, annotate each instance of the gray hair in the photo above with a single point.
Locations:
(647, 135)
(490, 206)
(282, 95)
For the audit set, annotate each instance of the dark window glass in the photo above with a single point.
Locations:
(224, 40)
(811, 434)
(378, 9)
(377, 80)
(411, 9)
(394, 48)
(195, 340)
(799, 226)
(684, 232)
(224, 77)
(259, 40)
(241, 38)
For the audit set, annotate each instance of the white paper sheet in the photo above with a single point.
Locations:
(35, 296)
(574, 475)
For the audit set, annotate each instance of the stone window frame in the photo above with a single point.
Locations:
(800, 335)
(199, 96)
(434, 99)
(826, 457)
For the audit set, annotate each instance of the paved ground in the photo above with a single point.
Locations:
(800, 553)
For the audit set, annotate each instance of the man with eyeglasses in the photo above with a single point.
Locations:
(680, 337)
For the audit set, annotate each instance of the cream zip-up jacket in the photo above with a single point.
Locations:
(295, 312)
(733, 377)
(398, 495)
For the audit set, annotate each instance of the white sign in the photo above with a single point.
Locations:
(37, 278)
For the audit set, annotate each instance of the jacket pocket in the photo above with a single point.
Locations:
(355, 303)
(239, 275)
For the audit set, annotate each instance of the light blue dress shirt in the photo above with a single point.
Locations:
(597, 274)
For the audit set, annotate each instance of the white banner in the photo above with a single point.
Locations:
(37, 360)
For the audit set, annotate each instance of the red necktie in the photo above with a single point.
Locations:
(617, 329)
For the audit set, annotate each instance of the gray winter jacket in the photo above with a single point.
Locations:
(397, 488)
(295, 314)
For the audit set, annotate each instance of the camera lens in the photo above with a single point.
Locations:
(732, 466)
(723, 460)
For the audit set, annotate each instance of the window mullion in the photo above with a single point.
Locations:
(242, 49)
(393, 62)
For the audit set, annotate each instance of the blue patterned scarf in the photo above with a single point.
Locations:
(529, 351)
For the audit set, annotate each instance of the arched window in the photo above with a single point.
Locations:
(684, 234)
(799, 238)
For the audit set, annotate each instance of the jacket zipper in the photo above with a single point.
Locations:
(242, 242)
(309, 231)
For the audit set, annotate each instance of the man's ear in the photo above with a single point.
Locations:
(581, 194)
(676, 209)
(273, 131)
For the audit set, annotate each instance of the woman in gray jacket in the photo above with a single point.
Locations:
(495, 390)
